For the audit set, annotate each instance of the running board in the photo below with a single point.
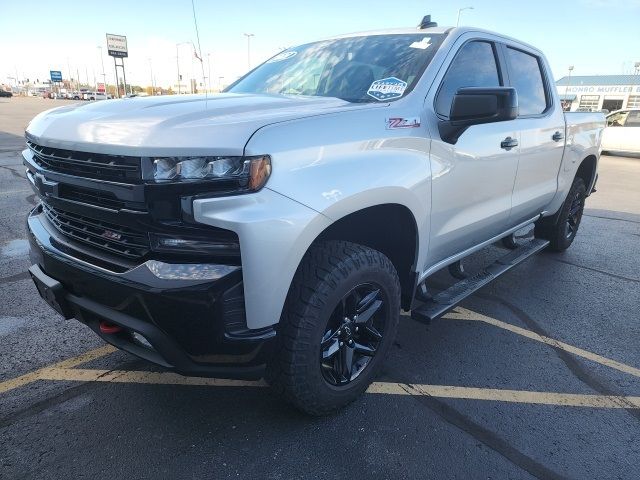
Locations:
(449, 298)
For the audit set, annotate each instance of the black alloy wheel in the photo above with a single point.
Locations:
(561, 229)
(353, 335)
(575, 214)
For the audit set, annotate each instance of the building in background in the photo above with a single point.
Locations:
(599, 92)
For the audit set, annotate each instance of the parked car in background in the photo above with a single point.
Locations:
(4, 93)
(99, 96)
(622, 133)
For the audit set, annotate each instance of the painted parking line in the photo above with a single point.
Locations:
(381, 388)
(133, 376)
(67, 371)
(69, 363)
(464, 314)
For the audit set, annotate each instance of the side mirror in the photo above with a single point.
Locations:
(477, 105)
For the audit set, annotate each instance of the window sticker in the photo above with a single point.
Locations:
(422, 44)
(387, 88)
(283, 56)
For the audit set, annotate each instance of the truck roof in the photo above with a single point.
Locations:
(431, 30)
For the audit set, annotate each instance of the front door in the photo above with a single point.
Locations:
(472, 180)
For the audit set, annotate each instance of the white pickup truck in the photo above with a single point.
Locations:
(276, 230)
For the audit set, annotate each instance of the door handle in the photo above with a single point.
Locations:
(556, 137)
(508, 143)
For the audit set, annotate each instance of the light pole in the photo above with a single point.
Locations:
(209, 72)
(104, 75)
(249, 35)
(153, 87)
(460, 10)
(178, 61)
(566, 88)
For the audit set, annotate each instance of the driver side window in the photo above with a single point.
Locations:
(473, 66)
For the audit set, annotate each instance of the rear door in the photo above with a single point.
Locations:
(541, 125)
(472, 180)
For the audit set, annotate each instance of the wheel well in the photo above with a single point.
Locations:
(390, 229)
(587, 170)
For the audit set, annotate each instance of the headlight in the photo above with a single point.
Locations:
(251, 172)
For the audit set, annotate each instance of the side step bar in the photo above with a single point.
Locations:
(449, 298)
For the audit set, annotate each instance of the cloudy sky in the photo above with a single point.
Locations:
(596, 36)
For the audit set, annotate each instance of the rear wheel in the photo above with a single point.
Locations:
(339, 320)
(562, 233)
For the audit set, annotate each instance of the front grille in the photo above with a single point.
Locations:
(91, 196)
(115, 168)
(105, 236)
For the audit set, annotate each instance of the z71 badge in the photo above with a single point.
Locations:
(400, 122)
(387, 88)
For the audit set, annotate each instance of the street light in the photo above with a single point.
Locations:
(566, 89)
(460, 10)
(249, 35)
(153, 87)
(178, 61)
(209, 72)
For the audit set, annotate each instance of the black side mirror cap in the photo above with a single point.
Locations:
(477, 105)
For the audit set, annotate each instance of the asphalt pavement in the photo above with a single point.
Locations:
(535, 376)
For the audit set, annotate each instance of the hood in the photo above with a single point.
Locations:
(172, 125)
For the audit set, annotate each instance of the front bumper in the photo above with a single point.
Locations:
(194, 326)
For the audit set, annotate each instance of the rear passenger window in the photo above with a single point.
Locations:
(526, 77)
(474, 66)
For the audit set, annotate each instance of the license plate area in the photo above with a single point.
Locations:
(51, 291)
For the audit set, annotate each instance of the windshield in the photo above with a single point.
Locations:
(375, 68)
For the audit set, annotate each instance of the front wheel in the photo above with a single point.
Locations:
(339, 320)
(562, 233)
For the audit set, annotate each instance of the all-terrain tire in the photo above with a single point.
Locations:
(562, 230)
(328, 272)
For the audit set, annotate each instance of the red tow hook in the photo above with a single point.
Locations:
(109, 328)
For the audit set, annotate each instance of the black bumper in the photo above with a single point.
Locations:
(194, 327)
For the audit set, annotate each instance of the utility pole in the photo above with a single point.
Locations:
(249, 35)
(460, 10)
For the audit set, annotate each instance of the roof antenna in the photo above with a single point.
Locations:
(195, 22)
(427, 23)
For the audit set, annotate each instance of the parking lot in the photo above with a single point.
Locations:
(536, 376)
